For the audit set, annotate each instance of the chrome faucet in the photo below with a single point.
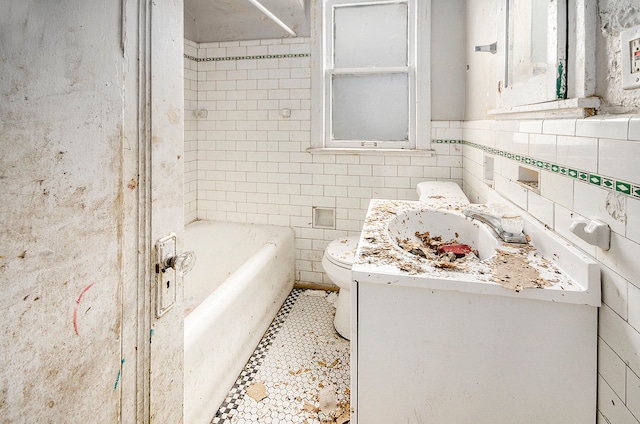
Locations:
(495, 224)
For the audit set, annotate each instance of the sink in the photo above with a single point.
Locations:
(448, 225)
(547, 268)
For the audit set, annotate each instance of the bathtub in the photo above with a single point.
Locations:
(242, 276)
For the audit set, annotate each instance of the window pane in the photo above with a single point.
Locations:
(370, 35)
(527, 39)
(370, 107)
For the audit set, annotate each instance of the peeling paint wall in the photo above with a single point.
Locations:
(60, 206)
(615, 16)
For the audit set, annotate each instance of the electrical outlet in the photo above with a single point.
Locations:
(635, 56)
(630, 41)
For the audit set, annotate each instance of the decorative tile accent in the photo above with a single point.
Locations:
(624, 187)
(595, 179)
(300, 355)
(266, 56)
(438, 141)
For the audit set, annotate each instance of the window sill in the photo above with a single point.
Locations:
(372, 152)
(561, 109)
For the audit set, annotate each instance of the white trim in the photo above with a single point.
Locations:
(375, 152)
(569, 108)
(581, 64)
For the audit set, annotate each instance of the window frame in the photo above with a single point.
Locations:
(417, 69)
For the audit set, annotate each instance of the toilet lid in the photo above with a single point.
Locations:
(342, 251)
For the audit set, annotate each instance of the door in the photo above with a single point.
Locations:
(152, 42)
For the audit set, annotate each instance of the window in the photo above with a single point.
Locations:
(367, 96)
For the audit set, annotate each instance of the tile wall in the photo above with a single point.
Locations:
(586, 168)
(190, 131)
(252, 162)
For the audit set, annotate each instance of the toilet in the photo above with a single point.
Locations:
(337, 262)
(340, 254)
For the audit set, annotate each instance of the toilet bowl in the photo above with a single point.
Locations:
(337, 262)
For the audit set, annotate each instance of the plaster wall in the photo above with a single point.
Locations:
(61, 207)
(615, 16)
(447, 60)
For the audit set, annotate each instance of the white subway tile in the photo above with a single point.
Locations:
(634, 129)
(384, 193)
(540, 208)
(611, 407)
(611, 368)
(247, 43)
(621, 337)
(578, 152)
(614, 291)
(324, 180)
(531, 127)
(608, 127)
(559, 126)
(511, 191)
(449, 161)
(398, 182)
(619, 159)
(634, 306)
(268, 64)
(236, 75)
(257, 50)
(633, 393)
(633, 220)
(591, 201)
(229, 43)
(372, 181)
(411, 171)
(543, 147)
(623, 257)
(224, 65)
(247, 64)
(258, 74)
(362, 170)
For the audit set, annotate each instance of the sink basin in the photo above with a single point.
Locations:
(448, 225)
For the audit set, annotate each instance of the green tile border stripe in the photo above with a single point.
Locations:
(447, 141)
(266, 56)
(623, 187)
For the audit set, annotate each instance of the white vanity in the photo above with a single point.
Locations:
(461, 344)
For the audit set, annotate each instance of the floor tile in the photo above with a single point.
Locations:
(302, 362)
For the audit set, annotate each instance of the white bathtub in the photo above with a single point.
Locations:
(242, 276)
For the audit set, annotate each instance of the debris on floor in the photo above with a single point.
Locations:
(257, 391)
(303, 377)
(328, 400)
(332, 298)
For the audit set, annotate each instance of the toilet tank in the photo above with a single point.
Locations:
(437, 191)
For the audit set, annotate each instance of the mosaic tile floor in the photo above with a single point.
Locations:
(301, 365)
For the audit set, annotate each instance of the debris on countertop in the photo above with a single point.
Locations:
(514, 266)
